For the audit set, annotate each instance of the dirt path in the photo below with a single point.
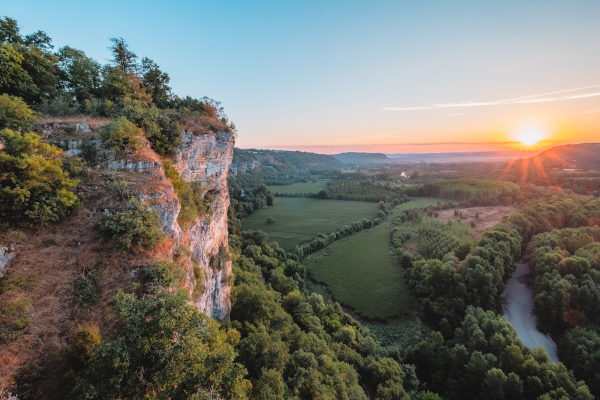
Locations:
(488, 217)
(519, 312)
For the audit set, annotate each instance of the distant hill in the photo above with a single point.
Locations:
(281, 161)
(363, 158)
(473, 156)
(585, 156)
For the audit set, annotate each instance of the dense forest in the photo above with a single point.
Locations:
(474, 347)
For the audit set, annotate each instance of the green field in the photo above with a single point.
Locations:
(362, 273)
(307, 187)
(300, 219)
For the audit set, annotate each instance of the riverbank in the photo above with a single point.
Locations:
(519, 312)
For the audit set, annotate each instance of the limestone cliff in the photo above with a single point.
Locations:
(207, 158)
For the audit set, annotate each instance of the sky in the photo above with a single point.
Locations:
(386, 76)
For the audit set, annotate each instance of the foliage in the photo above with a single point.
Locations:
(15, 114)
(86, 338)
(82, 74)
(86, 289)
(121, 136)
(579, 349)
(566, 266)
(447, 287)
(120, 190)
(438, 239)
(163, 275)
(134, 228)
(76, 167)
(477, 191)
(485, 359)
(14, 319)
(168, 349)
(33, 185)
(270, 220)
(193, 204)
(293, 344)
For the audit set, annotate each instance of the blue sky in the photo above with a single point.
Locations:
(342, 73)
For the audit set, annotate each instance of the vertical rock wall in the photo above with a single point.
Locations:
(207, 158)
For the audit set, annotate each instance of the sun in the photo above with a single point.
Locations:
(529, 136)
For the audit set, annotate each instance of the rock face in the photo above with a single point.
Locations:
(204, 158)
(207, 158)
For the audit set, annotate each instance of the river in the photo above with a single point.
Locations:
(519, 312)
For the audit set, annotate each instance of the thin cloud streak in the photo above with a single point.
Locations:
(517, 100)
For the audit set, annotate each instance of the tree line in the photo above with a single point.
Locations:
(474, 353)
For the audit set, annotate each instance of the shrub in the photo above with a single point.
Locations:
(136, 227)
(119, 189)
(163, 275)
(48, 242)
(21, 322)
(75, 167)
(86, 338)
(15, 114)
(121, 136)
(13, 307)
(32, 183)
(193, 205)
(171, 344)
(86, 289)
(89, 151)
(270, 221)
(218, 260)
(199, 276)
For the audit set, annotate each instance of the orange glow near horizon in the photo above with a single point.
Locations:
(530, 136)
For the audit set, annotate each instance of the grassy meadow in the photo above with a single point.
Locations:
(300, 219)
(363, 273)
(303, 188)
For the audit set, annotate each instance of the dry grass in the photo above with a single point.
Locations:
(47, 119)
(38, 361)
(488, 217)
(203, 125)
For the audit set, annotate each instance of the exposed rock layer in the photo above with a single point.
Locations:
(207, 158)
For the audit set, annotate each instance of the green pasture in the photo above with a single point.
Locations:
(363, 273)
(307, 187)
(300, 219)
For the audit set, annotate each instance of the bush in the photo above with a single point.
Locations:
(86, 338)
(193, 205)
(163, 275)
(119, 189)
(171, 344)
(86, 289)
(121, 136)
(89, 151)
(270, 220)
(136, 227)
(15, 114)
(218, 260)
(33, 185)
(199, 276)
(75, 167)
(48, 242)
